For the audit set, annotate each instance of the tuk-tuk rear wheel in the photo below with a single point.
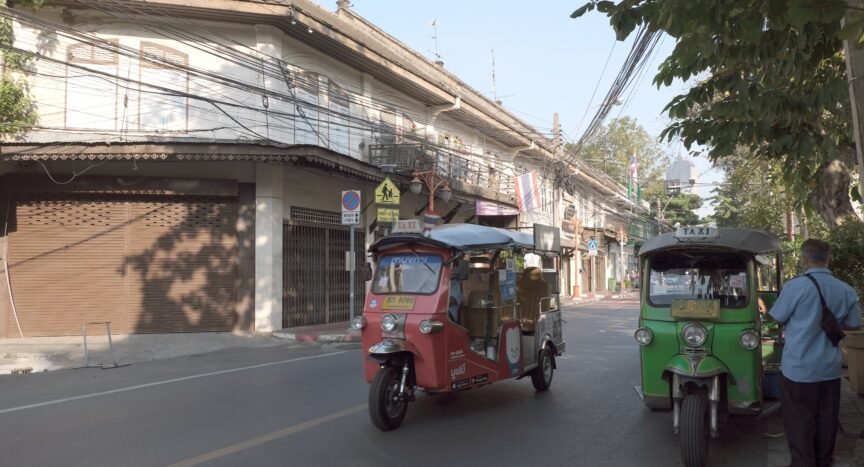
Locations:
(541, 377)
(387, 408)
(694, 430)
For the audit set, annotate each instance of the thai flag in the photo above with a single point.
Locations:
(528, 191)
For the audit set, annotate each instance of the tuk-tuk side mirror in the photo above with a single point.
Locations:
(460, 270)
(367, 272)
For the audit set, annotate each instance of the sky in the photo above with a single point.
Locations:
(545, 62)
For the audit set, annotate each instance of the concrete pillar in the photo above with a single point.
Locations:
(268, 246)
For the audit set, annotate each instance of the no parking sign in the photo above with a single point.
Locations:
(351, 207)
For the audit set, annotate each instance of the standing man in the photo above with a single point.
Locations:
(811, 367)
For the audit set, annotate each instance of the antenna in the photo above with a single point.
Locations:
(494, 89)
(435, 38)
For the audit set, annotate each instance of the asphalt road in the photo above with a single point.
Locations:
(306, 406)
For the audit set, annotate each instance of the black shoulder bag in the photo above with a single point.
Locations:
(828, 322)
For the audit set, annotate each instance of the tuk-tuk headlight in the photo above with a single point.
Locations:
(428, 326)
(643, 336)
(749, 339)
(388, 323)
(694, 334)
(358, 323)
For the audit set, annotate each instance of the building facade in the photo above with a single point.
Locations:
(186, 169)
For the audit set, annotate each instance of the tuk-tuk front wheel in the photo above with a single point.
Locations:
(387, 407)
(541, 377)
(694, 430)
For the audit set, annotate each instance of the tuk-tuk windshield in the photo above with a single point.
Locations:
(699, 275)
(407, 273)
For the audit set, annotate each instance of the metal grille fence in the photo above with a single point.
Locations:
(315, 216)
(315, 289)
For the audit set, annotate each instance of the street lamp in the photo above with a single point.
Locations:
(434, 184)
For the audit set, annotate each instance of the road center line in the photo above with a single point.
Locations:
(167, 381)
(266, 438)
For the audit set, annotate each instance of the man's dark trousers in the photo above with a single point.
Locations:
(810, 417)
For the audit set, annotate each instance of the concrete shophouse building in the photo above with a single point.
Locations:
(186, 169)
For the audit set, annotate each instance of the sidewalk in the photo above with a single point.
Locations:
(849, 441)
(326, 333)
(849, 448)
(587, 298)
(38, 354)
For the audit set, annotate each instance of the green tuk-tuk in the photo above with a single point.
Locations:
(703, 344)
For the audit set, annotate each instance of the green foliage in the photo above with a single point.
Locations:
(752, 195)
(679, 208)
(612, 146)
(17, 109)
(792, 258)
(768, 76)
(847, 254)
(16, 106)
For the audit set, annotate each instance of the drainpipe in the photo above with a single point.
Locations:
(518, 149)
(435, 110)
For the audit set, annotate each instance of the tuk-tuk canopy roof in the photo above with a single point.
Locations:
(460, 237)
(746, 240)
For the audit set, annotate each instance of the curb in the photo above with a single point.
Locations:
(331, 338)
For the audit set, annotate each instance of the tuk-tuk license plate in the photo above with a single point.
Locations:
(399, 302)
(696, 309)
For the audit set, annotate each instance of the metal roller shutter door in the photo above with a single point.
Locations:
(66, 265)
(147, 265)
(182, 265)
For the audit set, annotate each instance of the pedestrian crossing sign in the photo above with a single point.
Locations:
(387, 192)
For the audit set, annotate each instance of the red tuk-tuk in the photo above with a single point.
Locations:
(460, 307)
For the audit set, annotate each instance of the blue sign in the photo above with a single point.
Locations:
(592, 244)
(507, 285)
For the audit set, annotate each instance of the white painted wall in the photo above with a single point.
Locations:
(123, 111)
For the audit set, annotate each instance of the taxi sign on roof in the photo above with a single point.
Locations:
(408, 226)
(387, 192)
(697, 231)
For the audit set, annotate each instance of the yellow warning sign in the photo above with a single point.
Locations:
(388, 215)
(387, 192)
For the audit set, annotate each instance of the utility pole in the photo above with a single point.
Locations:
(855, 76)
(556, 194)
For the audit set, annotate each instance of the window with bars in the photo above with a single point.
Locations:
(162, 101)
(91, 87)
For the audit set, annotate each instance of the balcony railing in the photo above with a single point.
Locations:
(464, 174)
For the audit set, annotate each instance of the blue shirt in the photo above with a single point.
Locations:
(808, 355)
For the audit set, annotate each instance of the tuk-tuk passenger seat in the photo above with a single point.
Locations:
(531, 289)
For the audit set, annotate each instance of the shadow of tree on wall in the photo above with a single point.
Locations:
(182, 266)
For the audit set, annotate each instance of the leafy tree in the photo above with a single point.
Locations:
(678, 208)
(752, 195)
(611, 148)
(17, 108)
(769, 76)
